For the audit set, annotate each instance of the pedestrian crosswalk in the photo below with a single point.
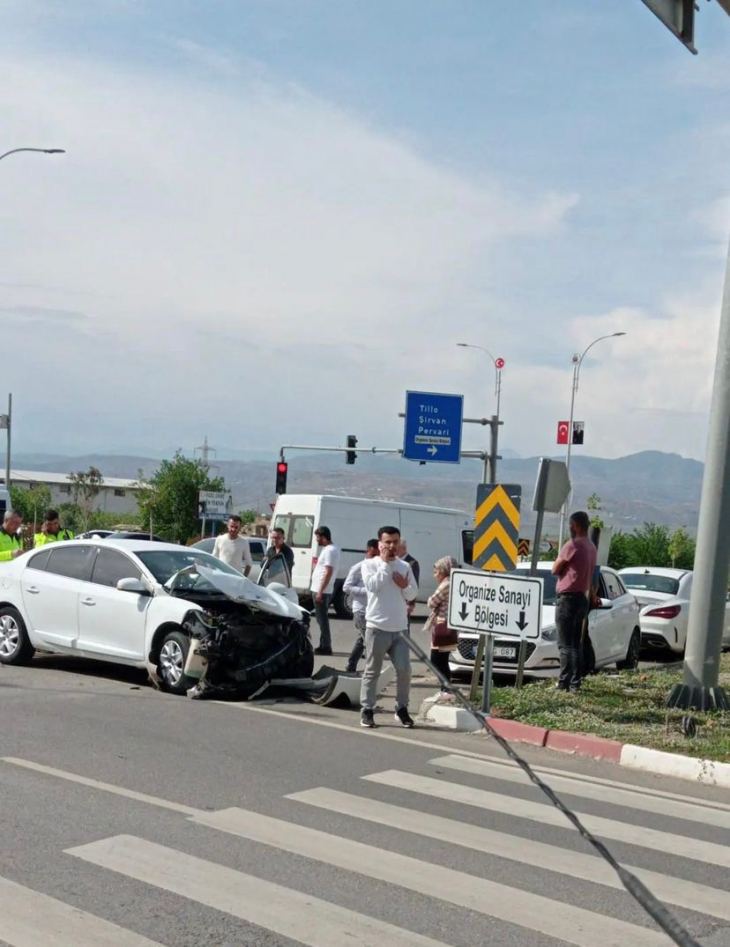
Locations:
(419, 809)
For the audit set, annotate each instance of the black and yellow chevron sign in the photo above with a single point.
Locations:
(523, 548)
(497, 526)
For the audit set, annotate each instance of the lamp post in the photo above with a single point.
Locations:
(577, 363)
(42, 151)
(498, 366)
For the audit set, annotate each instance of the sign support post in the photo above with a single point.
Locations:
(476, 673)
(488, 670)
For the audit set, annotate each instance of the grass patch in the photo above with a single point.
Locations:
(628, 706)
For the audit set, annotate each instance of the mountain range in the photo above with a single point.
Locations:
(650, 486)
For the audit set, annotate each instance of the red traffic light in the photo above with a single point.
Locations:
(282, 467)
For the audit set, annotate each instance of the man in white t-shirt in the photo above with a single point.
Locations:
(323, 585)
(232, 548)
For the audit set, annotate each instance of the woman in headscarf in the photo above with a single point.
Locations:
(443, 639)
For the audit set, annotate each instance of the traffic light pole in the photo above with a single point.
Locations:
(699, 688)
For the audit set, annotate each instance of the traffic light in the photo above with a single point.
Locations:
(351, 456)
(282, 469)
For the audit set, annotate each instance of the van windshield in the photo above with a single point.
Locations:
(298, 530)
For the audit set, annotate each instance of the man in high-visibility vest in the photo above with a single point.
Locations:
(51, 531)
(10, 544)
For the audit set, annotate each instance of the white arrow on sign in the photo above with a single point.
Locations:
(432, 451)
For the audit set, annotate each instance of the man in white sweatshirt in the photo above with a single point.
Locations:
(390, 587)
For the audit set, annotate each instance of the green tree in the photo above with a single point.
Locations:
(248, 517)
(682, 549)
(86, 485)
(169, 499)
(594, 508)
(31, 503)
(650, 546)
(621, 552)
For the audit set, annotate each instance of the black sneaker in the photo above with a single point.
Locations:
(367, 719)
(327, 652)
(402, 716)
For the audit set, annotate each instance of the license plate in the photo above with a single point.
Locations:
(502, 652)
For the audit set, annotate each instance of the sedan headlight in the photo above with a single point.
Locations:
(550, 633)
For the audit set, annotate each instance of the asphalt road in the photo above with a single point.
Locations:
(133, 818)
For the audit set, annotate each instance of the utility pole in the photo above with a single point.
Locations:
(6, 422)
(699, 688)
(491, 458)
(205, 452)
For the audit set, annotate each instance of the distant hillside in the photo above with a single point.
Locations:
(648, 486)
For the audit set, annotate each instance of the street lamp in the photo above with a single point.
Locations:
(498, 366)
(577, 362)
(42, 151)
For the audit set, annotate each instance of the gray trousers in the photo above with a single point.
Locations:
(378, 644)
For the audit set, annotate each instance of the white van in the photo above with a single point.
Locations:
(431, 532)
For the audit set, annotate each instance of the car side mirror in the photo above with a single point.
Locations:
(606, 603)
(133, 585)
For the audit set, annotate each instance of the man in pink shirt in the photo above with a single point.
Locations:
(575, 568)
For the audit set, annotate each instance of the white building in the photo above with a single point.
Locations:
(116, 495)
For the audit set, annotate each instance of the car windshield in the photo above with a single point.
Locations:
(177, 569)
(649, 582)
(549, 585)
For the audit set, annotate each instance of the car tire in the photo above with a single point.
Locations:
(15, 646)
(631, 661)
(171, 663)
(339, 603)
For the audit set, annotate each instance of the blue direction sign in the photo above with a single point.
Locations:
(433, 427)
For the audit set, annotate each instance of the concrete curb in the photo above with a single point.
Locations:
(709, 772)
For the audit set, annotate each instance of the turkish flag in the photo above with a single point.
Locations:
(563, 428)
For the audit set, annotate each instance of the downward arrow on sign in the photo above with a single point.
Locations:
(522, 624)
(464, 612)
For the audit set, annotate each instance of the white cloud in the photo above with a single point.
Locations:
(276, 222)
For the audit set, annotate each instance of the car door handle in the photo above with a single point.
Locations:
(33, 589)
(88, 601)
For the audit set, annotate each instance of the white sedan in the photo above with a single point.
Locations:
(186, 617)
(613, 629)
(664, 596)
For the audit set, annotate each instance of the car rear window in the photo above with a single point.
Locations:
(649, 582)
(72, 560)
(257, 551)
(39, 560)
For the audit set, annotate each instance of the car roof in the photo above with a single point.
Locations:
(135, 545)
(655, 570)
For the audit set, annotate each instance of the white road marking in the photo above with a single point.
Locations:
(677, 845)
(30, 919)
(289, 913)
(631, 797)
(564, 921)
(417, 743)
(685, 894)
(104, 787)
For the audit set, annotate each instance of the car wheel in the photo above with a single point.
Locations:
(171, 663)
(15, 646)
(632, 655)
(339, 603)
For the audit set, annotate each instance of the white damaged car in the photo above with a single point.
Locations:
(191, 620)
(613, 628)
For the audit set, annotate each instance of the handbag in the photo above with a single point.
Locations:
(442, 636)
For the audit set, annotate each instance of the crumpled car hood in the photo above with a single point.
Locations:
(244, 591)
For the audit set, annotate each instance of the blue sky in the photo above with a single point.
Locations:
(274, 217)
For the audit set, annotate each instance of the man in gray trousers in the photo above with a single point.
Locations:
(390, 586)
